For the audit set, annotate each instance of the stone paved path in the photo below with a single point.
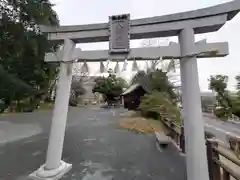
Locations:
(96, 147)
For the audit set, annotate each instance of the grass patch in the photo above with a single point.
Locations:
(5, 113)
(45, 106)
(142, 125)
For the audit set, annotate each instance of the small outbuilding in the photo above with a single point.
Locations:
(132, 95)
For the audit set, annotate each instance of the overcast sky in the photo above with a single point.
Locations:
(76, 12)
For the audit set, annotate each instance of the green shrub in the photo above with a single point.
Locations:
(222, 113)
(2, 106)
(73, 102)
(158, 105)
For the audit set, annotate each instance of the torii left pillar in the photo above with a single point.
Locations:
(54, 168)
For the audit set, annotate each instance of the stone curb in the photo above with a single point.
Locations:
(159, 141)
(234, 122)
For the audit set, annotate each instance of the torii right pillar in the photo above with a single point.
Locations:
(196, 160)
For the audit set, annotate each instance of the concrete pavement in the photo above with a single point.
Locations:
(94, 144)
(17, 126)
(220, 128)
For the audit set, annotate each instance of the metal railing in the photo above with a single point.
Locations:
(223, 159)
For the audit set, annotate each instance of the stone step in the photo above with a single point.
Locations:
(162, 139)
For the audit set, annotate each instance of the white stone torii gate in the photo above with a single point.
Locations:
(184, 25)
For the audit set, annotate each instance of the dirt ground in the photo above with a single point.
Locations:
(139, 124)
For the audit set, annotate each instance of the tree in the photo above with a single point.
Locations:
(161, 101)
(236, 99)
(77, 90)
(23, 48)
(121, 82)
(228, 104)
(17, 86)
(111, 86)
(159, 81)
(77, 87)
(159, 105)
(218, 83)
(138, 76)
(224, 108)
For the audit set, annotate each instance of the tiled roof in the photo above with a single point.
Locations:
(145, 83)
(131, 88)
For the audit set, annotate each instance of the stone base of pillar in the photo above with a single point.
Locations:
(54, 174)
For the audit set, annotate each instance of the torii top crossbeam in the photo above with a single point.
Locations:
(202, 21)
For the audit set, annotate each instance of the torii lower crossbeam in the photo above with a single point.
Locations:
(172, 51)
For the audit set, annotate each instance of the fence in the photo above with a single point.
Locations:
(223, 159)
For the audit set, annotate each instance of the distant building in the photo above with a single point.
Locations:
(88, 84)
